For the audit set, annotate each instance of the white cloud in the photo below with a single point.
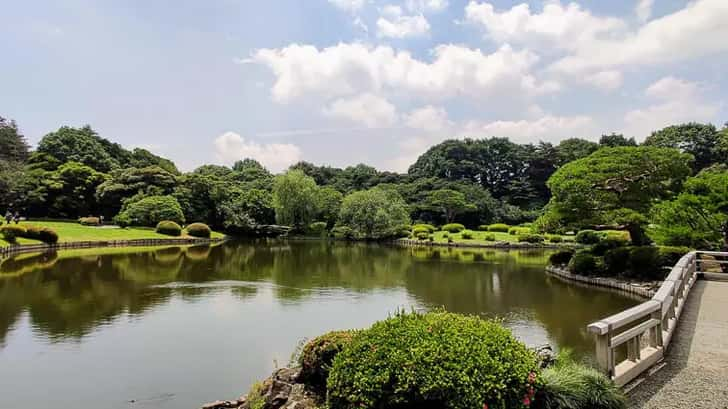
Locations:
(643, 10)
(348, 5)
(368, 109)
(349, 69)
(428, 118)
(547, 128)
(426, 6)
(605, 80)
(392, 23)
(409, 150)
(698, 29)
(231, 147)
(676, 101)
(563, 27)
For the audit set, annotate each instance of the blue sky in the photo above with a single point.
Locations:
(341, 82)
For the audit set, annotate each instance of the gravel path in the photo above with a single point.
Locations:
(696, 370)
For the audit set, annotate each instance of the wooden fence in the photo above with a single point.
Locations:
(646, 329)
(34, 248)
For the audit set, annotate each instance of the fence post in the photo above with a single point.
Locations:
(605, 356)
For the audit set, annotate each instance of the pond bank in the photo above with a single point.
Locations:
(643, 290)
(504, 245)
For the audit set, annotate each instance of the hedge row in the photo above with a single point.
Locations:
(12, 232)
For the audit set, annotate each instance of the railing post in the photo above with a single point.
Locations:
(605, 355)
(656, 340)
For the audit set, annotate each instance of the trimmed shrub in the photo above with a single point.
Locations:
(446, 235)
(483, 227)
(316, 229)
(90, 221)
(431, 237)
(433, 360)
(424, 226)
(169, 228)
(644, 263)
(422, 235)
(669, 256)
(616, 261)
(561, 258)
(343, 232)
(12, 232)
(318, 355)
(583, 263)
(467, 235)
(151, 210)
(453, 228)
(589, 237)
(607, 244)
(419, 229)
(44, 234)
(122, 220)
(554, 238)
(530, 238)
(200, 230)
(514, 231)
(499, 228)
(622, 235)
(490, 237)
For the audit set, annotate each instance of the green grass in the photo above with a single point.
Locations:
(70, 231)
(479, 237)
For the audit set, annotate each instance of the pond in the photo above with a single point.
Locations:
(177, 327)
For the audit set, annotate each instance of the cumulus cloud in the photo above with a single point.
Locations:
(367, 109)
(428, 118)
(348, 5)
(231, 147)
(392, 23)
(675, 101)
(643, 10)
(605, 80)
(349, 69)
(426, 6)
(549, 128)
(409, 150)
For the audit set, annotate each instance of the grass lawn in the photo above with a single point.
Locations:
(70, 231)
(479, 237)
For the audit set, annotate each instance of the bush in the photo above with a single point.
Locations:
(607, 244)
(199, 230)
(622, 235)
(317, 229)
(419, 229)
(433, 360)
(499, 228)
(555, 238)
(583, 263)
(424, 226)
(669, 255)
(422, 235)
(343, 232)
(483, 227)
(151, 210)
(44, 234)
(169, 228)
(90, 221)
(573, 386)
(453, 228)
(514, 231)
(122, 220)
(616, 261)
(530, 238)
(318, 355)
(561, 258)
(589, 237)
(467, 235)
(12, 232)
(644, 263)
(446, 235)
(490, 237)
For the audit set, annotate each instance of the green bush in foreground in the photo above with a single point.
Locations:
(433, 360)
(453, 228)
(318, 355)
(199, 230)
(169, 228)
(499, 228)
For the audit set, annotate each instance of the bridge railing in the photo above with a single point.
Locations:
(646, 329)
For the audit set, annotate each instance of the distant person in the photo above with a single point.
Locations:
(8, 216)
(16, 218)
(101, 220)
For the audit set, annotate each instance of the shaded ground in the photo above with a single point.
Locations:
(696, 370)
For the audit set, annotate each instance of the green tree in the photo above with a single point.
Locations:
(13, 147)
(295, 199)
(82, 145)
(376, 213)
(703, 141)
(614, 140)
(126, 183)
(572, 149)
(450, 202)
(328, 204)
(70, 190)
(150, 210)
(142, 158)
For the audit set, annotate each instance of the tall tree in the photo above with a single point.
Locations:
(374, 214)
(13, 147)
(613, 140)
(295, 199)
(449, 202)
(703, 141)
(572, 149)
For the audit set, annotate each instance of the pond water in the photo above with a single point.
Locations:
(177, 327)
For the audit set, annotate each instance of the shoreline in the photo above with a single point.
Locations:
(502, 245)
(641, 290)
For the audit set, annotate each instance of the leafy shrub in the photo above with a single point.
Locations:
(402, 231)
(467, 235)
(12, 232)
(530, 238)
(419, 229)
(318, 355)
(669, 256)
(343, 232)
(589, 237)
(431, 237)
(90, 221)
(499, 228)
(169, 228)
(446, 235)
(607, 244)
(424, 227)
(199, 230)
(151, 210)
(433, 360)
(515, 231)
(453, 228)
(644, 262)
(490, 237)
(422, 235)
(622, 235)
(483, 227)
(554, 238)
(317, 228)
(616, 261)
(583, 263)
(561, 257)
(122, 220)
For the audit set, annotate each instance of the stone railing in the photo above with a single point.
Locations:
(646, 329)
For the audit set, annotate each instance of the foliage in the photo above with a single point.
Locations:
(295, 199)
(318, 355)
(328, 205)
(317, 229)
(151, 210)
(553, 238)
(11, 232)
(13, 146)
(453, 228)
(702, 141)
(670, 255)
(374, 214)
(644, 263)
(343, 232)
(616, 260)
(606, 244)
(614, 140)
(44, 234)
(489, 237)
(499, 227)
(449, 202)
(199, 230)
(399, 362)
(123, 184)
(530, 238)
(583, 263)
(589, 237)
(423, 227)
(573, 149)
(243, 210)
(515, 231)
(466, 235)
(122, 220)
(561, 257)
(168, 228)
(89, 221)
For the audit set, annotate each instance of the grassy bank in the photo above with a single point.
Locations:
(71, 231)
(479, 237)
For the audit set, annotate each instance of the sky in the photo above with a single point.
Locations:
(341, 82)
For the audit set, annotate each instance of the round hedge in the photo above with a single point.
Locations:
(561, 257)
(90, 221)
(583, 263)
(199, 230)
(499, 228)
(318, 354)
(453, 228)
(44, 234)
(169, 228)
(433, 360)
(11, 232)
(589, 237)
(423, 226)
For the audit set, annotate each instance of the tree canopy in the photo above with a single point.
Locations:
(374, 214)
(703, 141)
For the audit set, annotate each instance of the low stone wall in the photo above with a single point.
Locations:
(643, 290)
(494, 245)
(35, 248)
